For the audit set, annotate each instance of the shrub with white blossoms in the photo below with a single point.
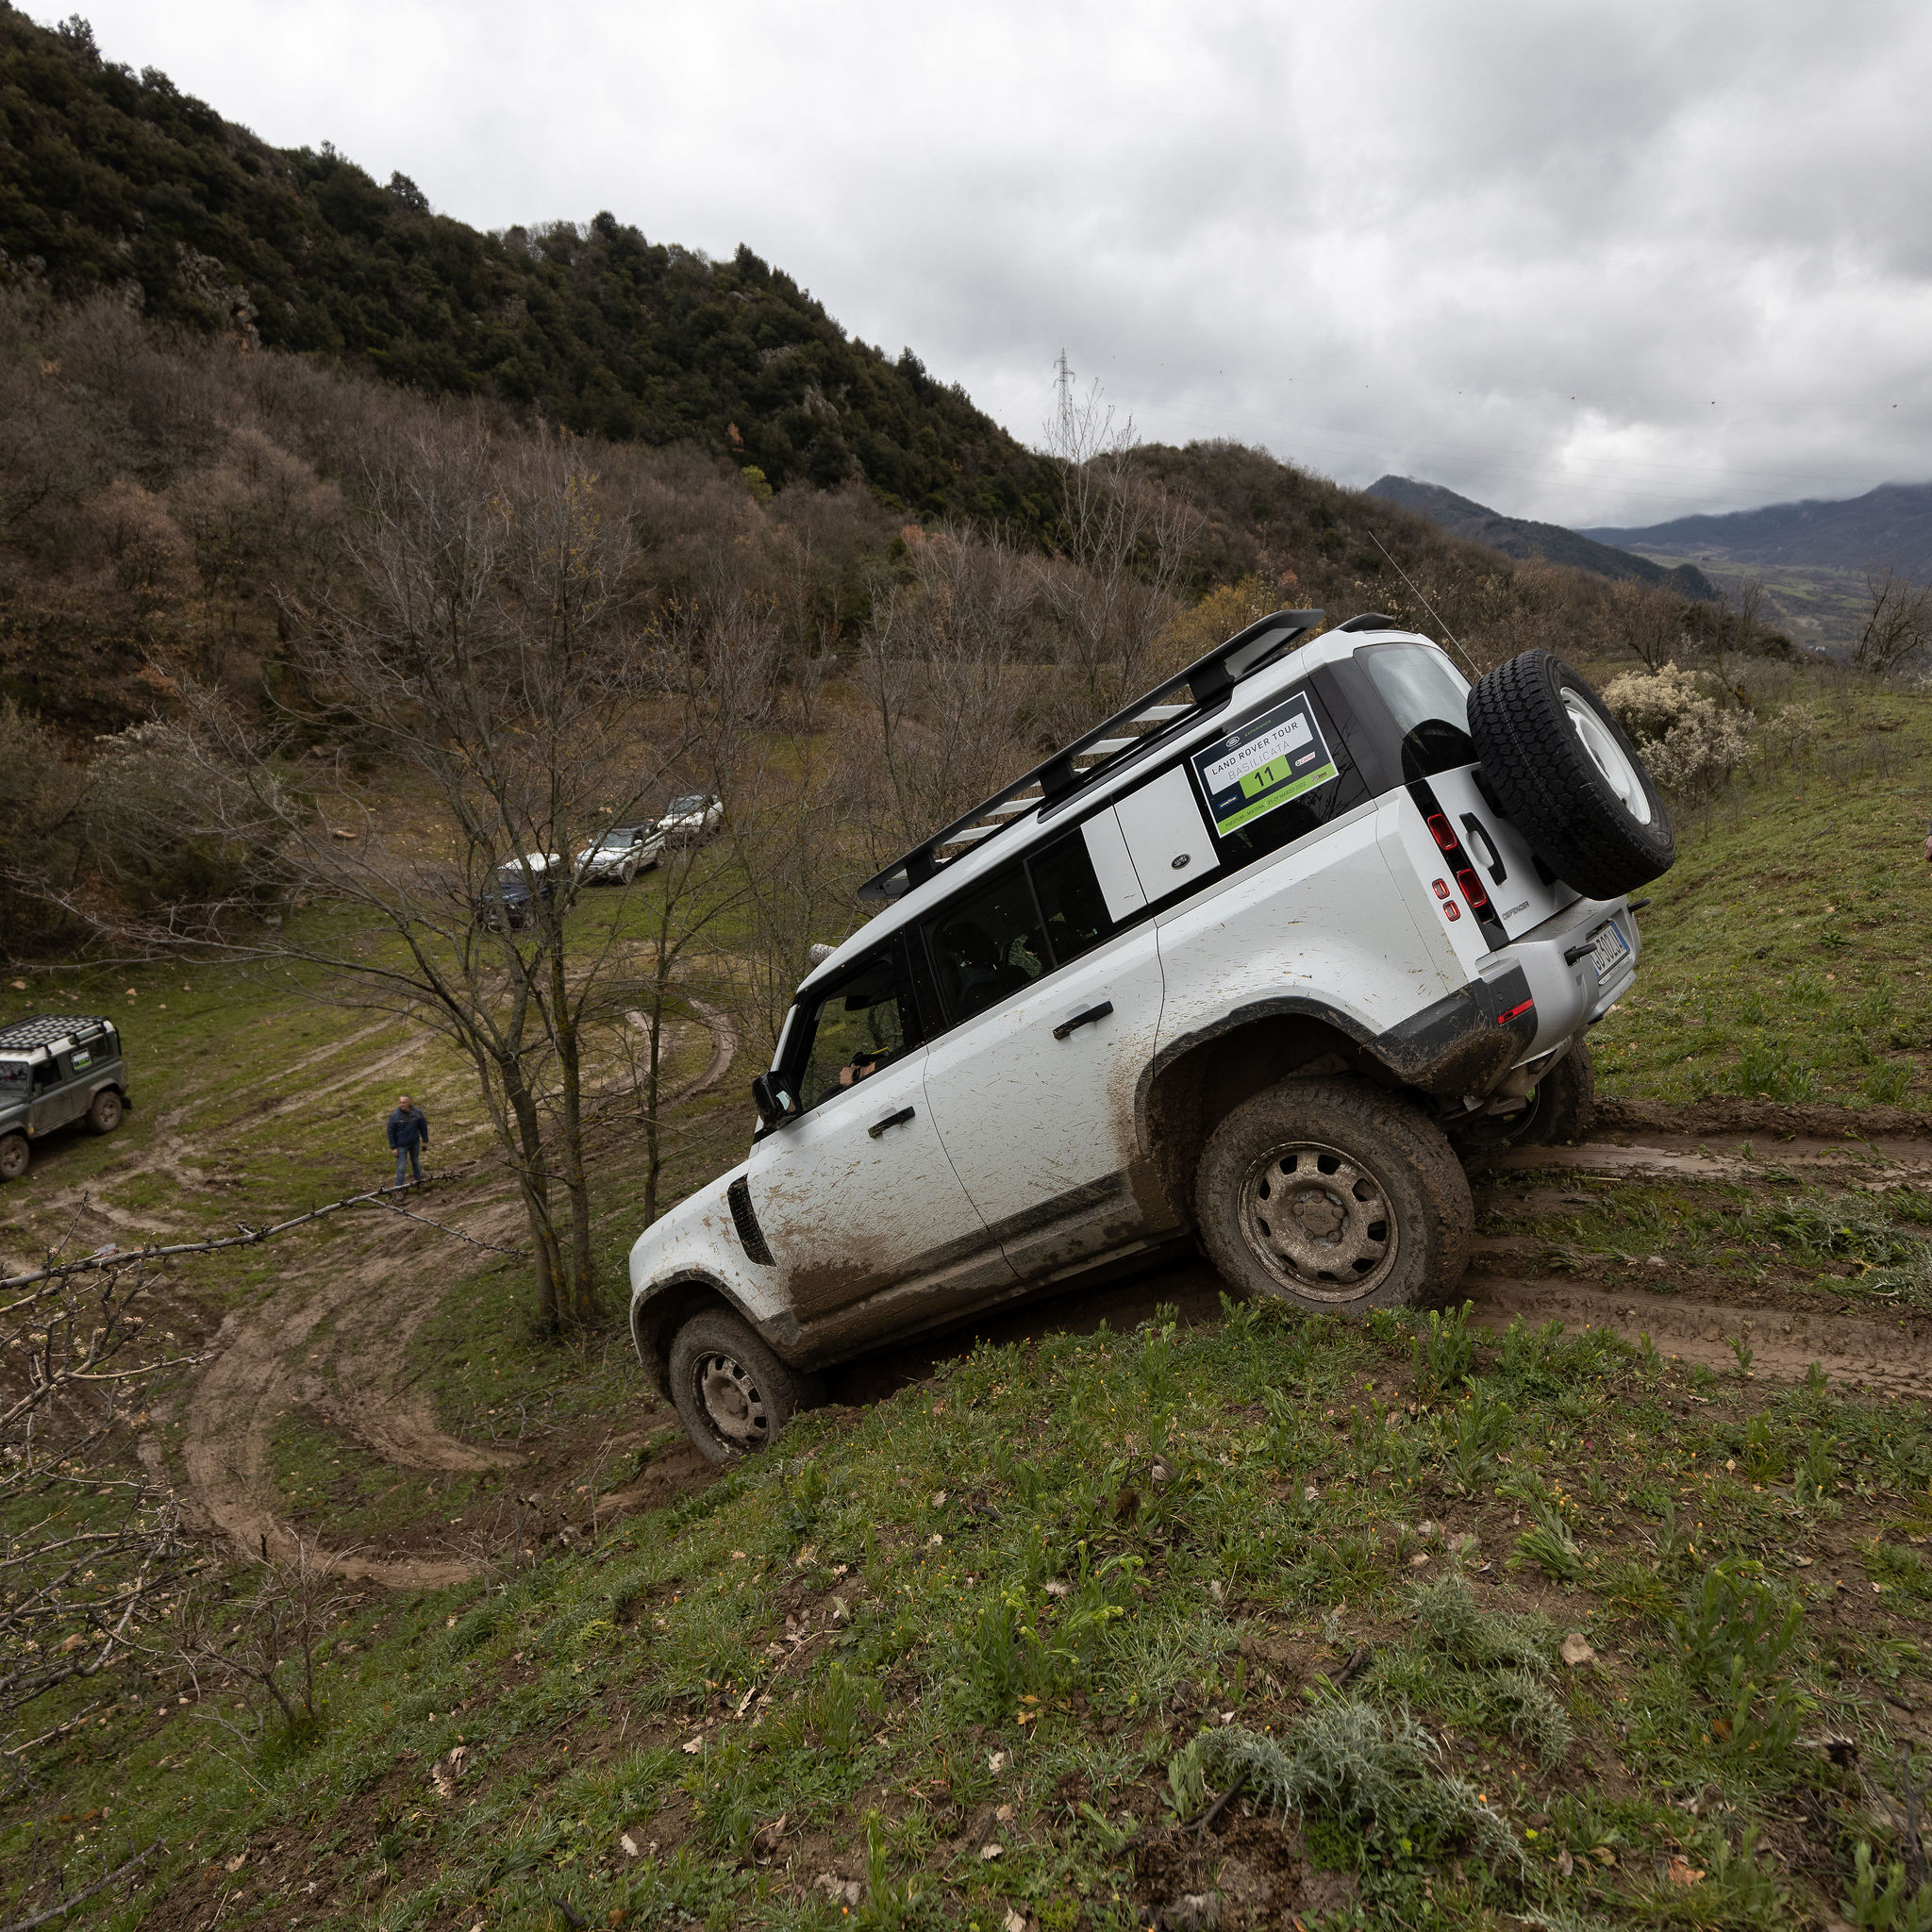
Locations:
(1690, 741)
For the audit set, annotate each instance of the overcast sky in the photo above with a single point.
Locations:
(1599, 262)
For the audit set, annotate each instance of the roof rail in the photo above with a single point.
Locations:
(1208, 681)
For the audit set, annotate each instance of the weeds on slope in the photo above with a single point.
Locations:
(995, 1645)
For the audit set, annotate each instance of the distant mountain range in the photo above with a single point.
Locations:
(1891, 524)
(1552, 542)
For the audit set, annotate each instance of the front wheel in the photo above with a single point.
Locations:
(104, 1116)
(732, 1393)
(1332, 1195)
(15, 1156)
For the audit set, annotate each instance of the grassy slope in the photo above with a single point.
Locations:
(1787, 953)
(1030, 1583)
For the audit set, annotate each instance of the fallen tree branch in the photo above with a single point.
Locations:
(80, 1898)
(248, 1236)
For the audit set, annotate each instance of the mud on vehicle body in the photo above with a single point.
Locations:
(57, 1069)
(1252, 963)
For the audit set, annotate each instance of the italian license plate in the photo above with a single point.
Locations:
(1607, 949)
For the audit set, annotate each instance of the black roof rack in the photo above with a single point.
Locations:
(1208, 681)
(47, 1029)
(1369, 620)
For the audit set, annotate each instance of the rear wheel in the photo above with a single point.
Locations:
(14, 1157)
(732, 1393)
(104, 1116)
(1562, 1110)
(1331, 1195)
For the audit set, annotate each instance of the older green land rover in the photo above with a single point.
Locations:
(56, 1069)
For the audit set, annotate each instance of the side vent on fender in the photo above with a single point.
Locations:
(749, 1232)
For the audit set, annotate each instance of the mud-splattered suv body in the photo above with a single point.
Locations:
(1242, 964)
(57, 1069)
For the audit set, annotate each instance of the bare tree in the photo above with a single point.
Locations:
(1898, 622)
(1649, 620)
(1126, 541)
(268, 1652)
(480, 653)
(940, 667)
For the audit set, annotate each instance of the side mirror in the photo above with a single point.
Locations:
(774, 1102)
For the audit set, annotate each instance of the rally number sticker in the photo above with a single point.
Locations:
(1268, 761)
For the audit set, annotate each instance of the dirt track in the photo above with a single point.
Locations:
(371, 1300)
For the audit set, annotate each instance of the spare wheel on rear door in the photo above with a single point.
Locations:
(1568, 776)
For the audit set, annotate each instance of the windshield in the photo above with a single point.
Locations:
(618, 840)
(13, 1079)
(680, 807)
(1428, 699)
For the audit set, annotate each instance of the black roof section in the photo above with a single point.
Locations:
(49, 1029)
(1207, 681)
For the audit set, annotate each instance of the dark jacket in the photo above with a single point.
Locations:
(408, 1128)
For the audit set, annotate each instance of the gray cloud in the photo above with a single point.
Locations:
(1595, 262)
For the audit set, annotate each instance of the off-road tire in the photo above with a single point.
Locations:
(106, 1113)
(1561, 1110)
(15, 1156)
(1589, 811)
(732, 1393)
(1323, 1151)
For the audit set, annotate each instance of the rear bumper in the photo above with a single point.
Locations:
(1569, 994)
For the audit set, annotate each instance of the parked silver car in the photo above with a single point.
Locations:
(621, 854)
(694, 816)
(56, 1069)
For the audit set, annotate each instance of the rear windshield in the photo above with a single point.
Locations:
(1428, 699)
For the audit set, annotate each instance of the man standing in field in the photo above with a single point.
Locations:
(408, 1134)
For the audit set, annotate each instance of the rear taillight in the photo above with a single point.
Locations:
(1472, 890)
(1441, 831)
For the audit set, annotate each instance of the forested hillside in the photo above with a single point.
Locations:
(111, 180)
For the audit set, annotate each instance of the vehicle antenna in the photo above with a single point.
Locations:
(1427, 605)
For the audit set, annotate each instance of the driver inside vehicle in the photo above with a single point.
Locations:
(857, 1030)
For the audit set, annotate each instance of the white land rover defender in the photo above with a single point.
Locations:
(1249, 962)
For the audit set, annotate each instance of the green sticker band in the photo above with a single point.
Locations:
(1270, 775)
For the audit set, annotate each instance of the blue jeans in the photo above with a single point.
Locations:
(413, 1156)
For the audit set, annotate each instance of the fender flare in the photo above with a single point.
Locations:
(1462, 1042)
(658, 1309)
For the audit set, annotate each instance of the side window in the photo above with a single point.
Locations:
(862, 1024)
(1428, 699)
(1071, 905)
(1276, 778)
(987, 943)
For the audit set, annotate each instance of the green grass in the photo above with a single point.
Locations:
(1786, 954)
(985, 1572)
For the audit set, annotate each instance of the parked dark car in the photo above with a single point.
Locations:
(57, 1069)
(509, 896)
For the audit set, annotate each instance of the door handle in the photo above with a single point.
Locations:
(1086, 1019)
(892, 1120)
(1476, 829)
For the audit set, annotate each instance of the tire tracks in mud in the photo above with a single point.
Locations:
(362, 1309)
(1889, 1357)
